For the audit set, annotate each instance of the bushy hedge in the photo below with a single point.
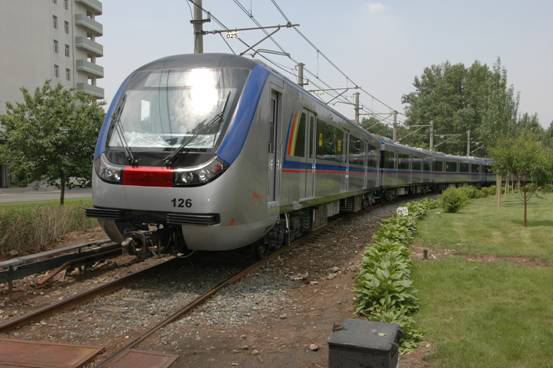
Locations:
(383, 288)
(453, 199)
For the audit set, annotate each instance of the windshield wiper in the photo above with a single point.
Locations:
(218, 118)
(116, 121)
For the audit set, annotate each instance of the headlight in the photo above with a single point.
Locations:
(201, 175)
(107, 171)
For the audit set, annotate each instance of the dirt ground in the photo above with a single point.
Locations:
(326, 263)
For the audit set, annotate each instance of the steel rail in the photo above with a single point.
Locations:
(80, 297)
(186, 309)
(17, 268)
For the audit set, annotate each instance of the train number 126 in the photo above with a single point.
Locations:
(181, 202)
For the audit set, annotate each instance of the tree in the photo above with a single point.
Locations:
(375, 126)
(528, 160)
(51, 135)
(458, 98)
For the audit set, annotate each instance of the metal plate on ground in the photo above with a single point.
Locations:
(147, 359)
(39, 354)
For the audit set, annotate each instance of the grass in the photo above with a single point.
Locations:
(481, 228)
(487, 314)
(33, 226)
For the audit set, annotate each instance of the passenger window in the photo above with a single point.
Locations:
(403, 162)
(438, 166)
(356, 151)
(373, 156)
(451, 166)
(326, 145)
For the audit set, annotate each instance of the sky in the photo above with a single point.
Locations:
(380, 45)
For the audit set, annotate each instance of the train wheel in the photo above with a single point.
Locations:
(260, 249)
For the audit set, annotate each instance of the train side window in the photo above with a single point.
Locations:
(373, 156)
(416, 164)
(389, 160)
(475, 168)
(311, 134)
(339, 141)
(298, 138)
(451, 166)
(325, 141)
(426, 165)
(356, 151)
(403, 162)
(438, 166)
(464, 167)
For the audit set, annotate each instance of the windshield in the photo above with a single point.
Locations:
(164, 108)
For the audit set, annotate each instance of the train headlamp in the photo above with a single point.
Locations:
(199, 175)
(107, 171)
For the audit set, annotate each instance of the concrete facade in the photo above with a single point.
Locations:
(52, 40)
(49, 40)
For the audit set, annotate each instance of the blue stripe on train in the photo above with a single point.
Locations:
(237, 133)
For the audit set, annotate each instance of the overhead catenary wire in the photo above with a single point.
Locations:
(322, 54)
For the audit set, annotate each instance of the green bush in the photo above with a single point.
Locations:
(383, 288)
(469, 191)
(453, 199)
(489, 190)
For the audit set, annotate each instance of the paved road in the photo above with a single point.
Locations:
(18, 195)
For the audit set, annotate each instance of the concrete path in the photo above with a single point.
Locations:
(18, 195)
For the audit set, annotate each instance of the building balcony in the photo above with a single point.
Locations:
(91, 90)
(93, 48)
(94, 5)
(93, 70)
(91, 26)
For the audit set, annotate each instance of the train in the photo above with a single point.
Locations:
(214, 152)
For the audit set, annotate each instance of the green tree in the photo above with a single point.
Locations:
(528, 160)
(459, 98)
(51, 135)
(377, 127)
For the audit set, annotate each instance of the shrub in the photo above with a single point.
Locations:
(453, 199)
(469, 191)
(489, 190)
(383, 288)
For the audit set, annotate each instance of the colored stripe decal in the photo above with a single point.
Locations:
(234, 139)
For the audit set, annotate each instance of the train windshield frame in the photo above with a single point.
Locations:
(169, 107)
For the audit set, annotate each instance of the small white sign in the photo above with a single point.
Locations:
(402, 211)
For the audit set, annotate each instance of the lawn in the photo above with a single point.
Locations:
(488, 314)
(482, 229)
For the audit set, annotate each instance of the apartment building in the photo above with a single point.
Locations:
(52, 40)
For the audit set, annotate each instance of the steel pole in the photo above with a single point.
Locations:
(356, 106)
(394, 128)
(431, 136)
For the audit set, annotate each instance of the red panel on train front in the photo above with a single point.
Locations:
(147, 176)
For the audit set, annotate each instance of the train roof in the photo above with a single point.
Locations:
(215, 60)
(212, 60)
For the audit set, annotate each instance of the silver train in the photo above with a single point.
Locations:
(217, 152)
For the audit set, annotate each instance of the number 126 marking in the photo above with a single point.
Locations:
(181, 202)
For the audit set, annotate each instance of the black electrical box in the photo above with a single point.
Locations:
(364, 344)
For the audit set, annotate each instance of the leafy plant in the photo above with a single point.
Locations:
(383, 288)
(453, 199)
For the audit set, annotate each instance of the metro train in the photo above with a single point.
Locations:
(216, 152)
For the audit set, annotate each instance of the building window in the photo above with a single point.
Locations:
(66, 26)
(67, 50)
(68, 74)
(55, 20)
(56, 46)
(56, 71)
(66, 4)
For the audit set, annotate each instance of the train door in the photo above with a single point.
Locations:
(273, 162)
(310, 154)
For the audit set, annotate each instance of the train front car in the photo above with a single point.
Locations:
(170, 165)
